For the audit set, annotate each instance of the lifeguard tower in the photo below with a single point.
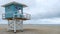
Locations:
(15, 16)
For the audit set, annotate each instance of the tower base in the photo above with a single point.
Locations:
(15, 25)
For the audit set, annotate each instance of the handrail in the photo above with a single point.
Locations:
(25, 15)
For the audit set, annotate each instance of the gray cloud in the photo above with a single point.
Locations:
(47, 9)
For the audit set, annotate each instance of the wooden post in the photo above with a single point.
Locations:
(15, 25)
(21, 23)
(8, 26)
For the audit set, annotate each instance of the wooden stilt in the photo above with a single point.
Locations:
(8, 26)
(15, 26)
(21, 23)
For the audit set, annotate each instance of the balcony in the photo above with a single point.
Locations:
(17, 16)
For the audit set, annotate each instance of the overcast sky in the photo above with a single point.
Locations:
(42, 11)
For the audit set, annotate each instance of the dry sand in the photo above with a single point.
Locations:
(33, 29)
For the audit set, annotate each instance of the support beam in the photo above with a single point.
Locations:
(15, 26)
(21, 25)
(8, 26)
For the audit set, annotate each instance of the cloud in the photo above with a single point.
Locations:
(42, 11)
(47, 9)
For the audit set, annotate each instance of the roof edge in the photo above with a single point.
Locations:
(14, 3)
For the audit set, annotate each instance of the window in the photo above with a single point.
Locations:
(18, 8)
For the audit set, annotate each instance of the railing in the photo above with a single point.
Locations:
(3, 16)
(26, 16)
